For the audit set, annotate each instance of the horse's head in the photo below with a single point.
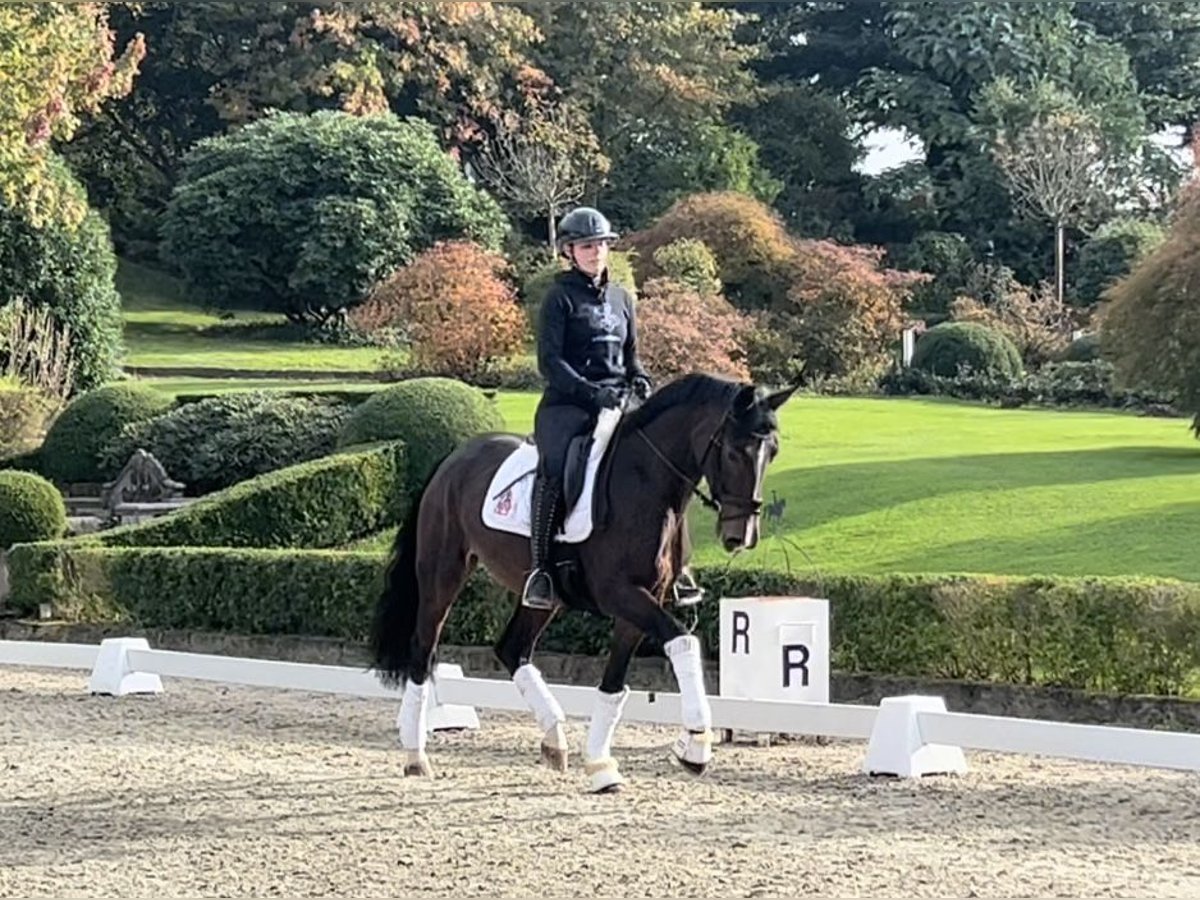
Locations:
(735, 462)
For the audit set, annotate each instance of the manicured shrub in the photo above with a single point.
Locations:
(31, 509)
(321, 503)
(431, 415)
(953, 347)
(74, 442)
(217, 442)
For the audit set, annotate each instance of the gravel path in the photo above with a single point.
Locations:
(210, 791)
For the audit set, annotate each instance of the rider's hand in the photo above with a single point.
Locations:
(641, 387)
(607, 397)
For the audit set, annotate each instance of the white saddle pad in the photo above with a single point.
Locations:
(507, 504)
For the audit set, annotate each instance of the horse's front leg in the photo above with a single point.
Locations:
(638, 607)
(515, 650)
(602, 768)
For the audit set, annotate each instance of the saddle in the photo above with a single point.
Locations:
(507, 503)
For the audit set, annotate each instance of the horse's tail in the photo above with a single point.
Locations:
(395, 625)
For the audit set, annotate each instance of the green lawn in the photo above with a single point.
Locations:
(163, 330)
(923, 485)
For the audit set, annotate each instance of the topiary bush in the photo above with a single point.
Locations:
(31, 509)
(302, 214)
(689, 262)
(74, 442)
(947, 348)
(217, 442)
(70, 272)
(431, 415)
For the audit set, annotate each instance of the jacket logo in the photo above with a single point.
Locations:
(605, 317)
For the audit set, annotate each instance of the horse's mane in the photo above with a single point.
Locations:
(694, 389)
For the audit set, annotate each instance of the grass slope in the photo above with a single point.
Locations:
(923, 485)
(163, 330)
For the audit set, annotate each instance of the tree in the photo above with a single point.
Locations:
(541, 164)
(303, 214)
(58, 62)
(1056, 162)
(1150, 325)
(217, 65)
(642, 70)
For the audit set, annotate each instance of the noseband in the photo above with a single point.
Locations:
(743, 507)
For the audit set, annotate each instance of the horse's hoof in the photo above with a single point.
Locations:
(693, 751)
(418, 766)
(605, 777)
(697, 769)
(555, 758)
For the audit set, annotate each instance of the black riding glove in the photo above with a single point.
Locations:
(607, 397)
(641, 387)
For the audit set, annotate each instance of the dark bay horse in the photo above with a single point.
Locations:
(698, 427)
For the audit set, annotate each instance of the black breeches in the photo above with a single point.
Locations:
(555, 424)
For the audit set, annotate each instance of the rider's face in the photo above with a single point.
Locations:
(591, 257)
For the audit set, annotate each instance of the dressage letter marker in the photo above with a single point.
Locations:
(775, 648)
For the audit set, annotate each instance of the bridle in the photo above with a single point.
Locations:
(744, 507)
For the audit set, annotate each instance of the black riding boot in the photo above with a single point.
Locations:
(539, 587)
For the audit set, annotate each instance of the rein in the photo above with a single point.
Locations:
(751, 505)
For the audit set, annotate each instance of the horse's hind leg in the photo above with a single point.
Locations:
(440, 577)
(515, 649)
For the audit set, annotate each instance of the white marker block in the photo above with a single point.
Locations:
(896, 747)
(112, 675)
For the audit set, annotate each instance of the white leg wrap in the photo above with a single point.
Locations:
(413, 728)
(533, 688)
(684, 653)
(605, 715)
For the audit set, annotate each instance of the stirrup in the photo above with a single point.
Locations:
(538, 600)
(687, 592)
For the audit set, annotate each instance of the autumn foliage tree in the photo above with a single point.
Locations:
(819, 306)
(682, 330)
(58, 61)
(456, 306)
(748, 239)
(1150, 326)
(843, 308)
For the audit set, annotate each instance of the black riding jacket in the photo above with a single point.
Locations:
(587, 337)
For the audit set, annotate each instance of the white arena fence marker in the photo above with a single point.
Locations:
(906, 736)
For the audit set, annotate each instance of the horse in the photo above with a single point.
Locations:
(697, 427)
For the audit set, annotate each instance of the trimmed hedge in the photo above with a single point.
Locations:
(322, 503)
(1118, 635)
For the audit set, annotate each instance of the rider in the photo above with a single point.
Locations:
(587, 353)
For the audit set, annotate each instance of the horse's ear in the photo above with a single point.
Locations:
(746, 398)
(777, 399)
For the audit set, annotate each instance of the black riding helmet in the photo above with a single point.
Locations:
(582, 224)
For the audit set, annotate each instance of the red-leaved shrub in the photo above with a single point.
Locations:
(456, 305)
(681, 330)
